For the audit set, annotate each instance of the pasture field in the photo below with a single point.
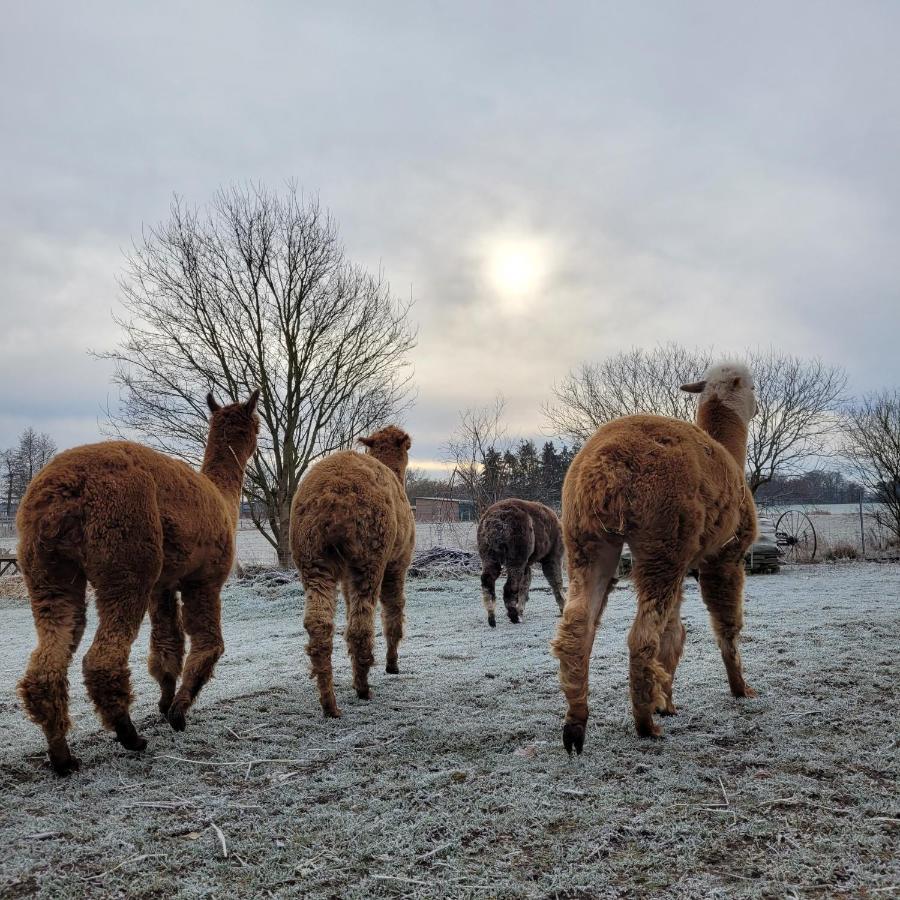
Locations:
(452, 781)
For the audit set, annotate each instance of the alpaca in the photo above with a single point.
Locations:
(140, 527)
(517, 534)
(676, 492)
(352, 524)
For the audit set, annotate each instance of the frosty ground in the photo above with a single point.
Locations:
(452, 781)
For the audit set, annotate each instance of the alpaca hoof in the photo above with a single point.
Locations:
(392, 668)
(331, 712)
(364, 693)
(492, 621)
(649, 730)
(165, 704)
(176, 718)
(747, 692)
(63, 766)
(573, 737)
(668, 709)
(513, 615)
(127, 736)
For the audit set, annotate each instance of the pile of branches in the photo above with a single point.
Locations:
(445, 562)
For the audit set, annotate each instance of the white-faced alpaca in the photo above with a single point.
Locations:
(351, 524)
(676, 492)
(517, 534)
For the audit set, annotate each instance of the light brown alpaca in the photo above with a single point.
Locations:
(676, 493)
(352, 525)
(139, 526)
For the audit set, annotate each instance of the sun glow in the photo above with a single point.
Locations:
(516, 268)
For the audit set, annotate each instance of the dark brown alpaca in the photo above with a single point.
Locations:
(676, 493)
(352, 525)
(517, 534)
(139, 526)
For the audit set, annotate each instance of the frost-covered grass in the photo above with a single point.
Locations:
(452, 781)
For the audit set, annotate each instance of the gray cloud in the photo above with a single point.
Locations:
(700, 173)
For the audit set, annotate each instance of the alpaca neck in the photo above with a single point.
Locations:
(222, 468)
(398, 467)
(726, 426)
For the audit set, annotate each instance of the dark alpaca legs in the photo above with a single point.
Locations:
(722, 589)
(552, 569)
(318, 620)
(166, 645)
(515, 591)
(59, 618)
(392, 605)
(590, 582)
(107, 676)
(360, 595)
(671, 645)
(202, 616)
(490, 572)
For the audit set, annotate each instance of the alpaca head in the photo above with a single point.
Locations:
(391, 446)
(233, 428)
(731, 383)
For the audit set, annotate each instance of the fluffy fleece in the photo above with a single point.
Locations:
(676, 493)
(352, 525)
(517, 534)
(140, 527)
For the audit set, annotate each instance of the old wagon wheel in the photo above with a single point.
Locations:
(796, 536)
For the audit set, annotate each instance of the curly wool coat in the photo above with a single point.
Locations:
(139, 526)
(351, 524)
(516, 534)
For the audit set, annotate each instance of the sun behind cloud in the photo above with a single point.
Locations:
(517, 267)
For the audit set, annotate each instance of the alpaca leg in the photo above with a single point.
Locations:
(59, 619)
(360, 632)
(393, 602)
(590, 583)
(671, 645)
(657, 599)
(201, 609)
(490, 572)
(513, 589)
(105, 666)
(318, 620)
(722, 589)
(166, 645)
(552, 569)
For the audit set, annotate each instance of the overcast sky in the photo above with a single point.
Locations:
(553, 181)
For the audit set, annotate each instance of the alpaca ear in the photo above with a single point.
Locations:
(250, 405)
(211, 403)
(367, 442)
(737, 382)
(405, 442)
(695, 387)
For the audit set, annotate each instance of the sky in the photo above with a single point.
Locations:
(551, 183)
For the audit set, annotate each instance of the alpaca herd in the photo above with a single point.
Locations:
(150, 534)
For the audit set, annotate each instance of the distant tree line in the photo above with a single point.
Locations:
(814, 486)
(21, 463)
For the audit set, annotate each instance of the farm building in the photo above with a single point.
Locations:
(443, 509)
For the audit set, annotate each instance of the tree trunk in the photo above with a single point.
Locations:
(285, 560)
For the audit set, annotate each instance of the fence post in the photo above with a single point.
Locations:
(862, 529)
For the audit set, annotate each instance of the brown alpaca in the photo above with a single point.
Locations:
(517, 534)
(676, 493)
(139, 526)
(352, 525)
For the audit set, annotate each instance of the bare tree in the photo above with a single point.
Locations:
(798, 401)
(256, 291)
(476, 451)
(19, 464)
(871, 430)
(634, 381)
(798, 418)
